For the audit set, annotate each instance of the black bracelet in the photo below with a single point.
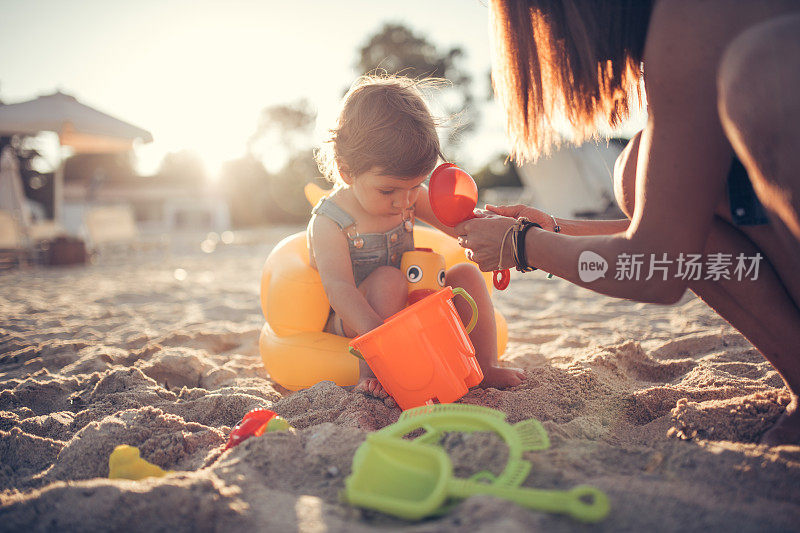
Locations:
(515, 244)
(518, 237)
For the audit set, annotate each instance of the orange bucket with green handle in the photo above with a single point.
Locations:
(423, 353)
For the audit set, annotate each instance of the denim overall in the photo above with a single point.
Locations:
(368, 251)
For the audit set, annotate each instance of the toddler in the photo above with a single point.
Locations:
(381, 151)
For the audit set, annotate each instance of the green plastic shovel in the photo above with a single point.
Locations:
(413, 480)
(436, 420)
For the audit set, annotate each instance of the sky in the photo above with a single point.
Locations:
(196, 74)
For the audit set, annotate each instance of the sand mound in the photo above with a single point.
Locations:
(658, 406)
(741, 419)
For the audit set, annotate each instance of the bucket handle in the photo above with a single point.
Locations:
(471, 302)
(355, 352)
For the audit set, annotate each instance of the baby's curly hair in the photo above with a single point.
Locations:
(385, 124)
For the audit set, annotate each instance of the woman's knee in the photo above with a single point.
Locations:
(625, 176)
(757, 82)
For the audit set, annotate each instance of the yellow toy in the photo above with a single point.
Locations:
(295, 351)
(125, 463)
(424, 271)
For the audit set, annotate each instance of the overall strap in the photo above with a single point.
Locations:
(329, 208)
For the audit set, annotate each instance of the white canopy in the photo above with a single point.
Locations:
(82, 127)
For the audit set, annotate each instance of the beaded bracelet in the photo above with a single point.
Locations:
(556, 227)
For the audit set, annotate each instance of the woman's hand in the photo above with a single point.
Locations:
(483, 237)
(531, 213)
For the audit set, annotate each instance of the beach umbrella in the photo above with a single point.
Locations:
(83, 128)
(79, 126)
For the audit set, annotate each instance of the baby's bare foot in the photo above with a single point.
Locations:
(501, 378)
(372, 387)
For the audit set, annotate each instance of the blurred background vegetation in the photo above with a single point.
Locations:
(265, 185)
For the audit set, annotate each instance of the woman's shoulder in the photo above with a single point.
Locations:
(686, 40)
(691, 13)
(703, 29)
(685, 43)
(682, 31)
(681, 7)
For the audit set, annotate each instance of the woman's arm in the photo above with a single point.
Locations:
(569, 227)
(592, 227)
(680, 174)
(332, 256)
(566, 226)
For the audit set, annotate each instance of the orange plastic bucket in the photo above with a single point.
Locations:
(423, 353)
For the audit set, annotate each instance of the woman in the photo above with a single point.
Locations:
(721, 80)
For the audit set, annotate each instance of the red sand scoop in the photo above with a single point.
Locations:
(453, 196)
(254, 424)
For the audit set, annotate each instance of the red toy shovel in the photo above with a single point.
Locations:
(453, 196)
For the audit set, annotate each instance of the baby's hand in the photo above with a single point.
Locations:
(501, 378)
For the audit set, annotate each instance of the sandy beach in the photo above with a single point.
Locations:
(658, 406)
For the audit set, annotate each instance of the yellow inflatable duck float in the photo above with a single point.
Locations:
(296, 352)
(126, 463)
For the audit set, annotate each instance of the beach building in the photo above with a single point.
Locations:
(157, 205)
(129, 205)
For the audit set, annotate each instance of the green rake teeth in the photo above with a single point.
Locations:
(532, 434)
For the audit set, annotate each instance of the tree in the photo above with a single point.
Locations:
(396, 49)
(257, 196)
(245, 183)
(288, 127)
(266, 184)
(498, 172)
(286, 188)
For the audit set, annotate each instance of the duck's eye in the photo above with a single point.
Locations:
(441, 277)
(414, 273)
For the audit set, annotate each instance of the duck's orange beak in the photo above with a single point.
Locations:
(419, 294)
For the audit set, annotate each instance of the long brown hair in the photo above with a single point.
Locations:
(578, 60)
